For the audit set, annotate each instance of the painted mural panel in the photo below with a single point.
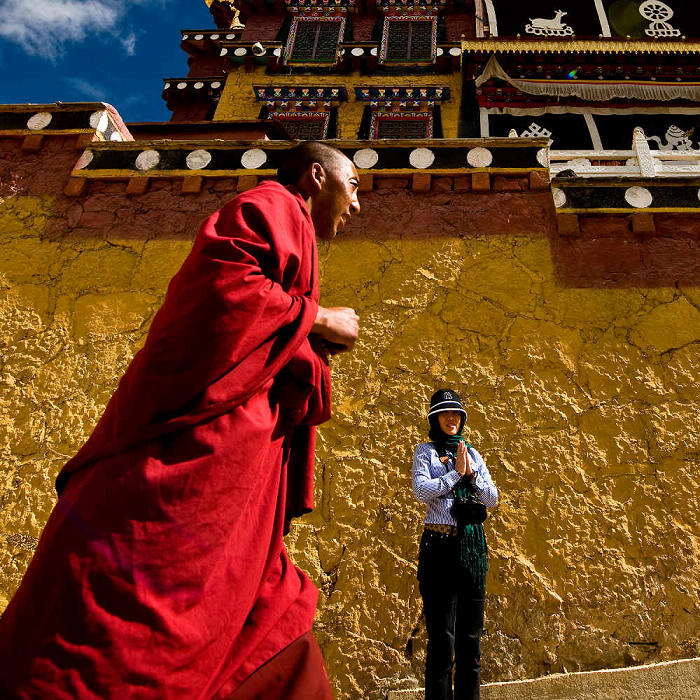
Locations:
(638, 19)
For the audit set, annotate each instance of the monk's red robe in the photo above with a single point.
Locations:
(162, 572)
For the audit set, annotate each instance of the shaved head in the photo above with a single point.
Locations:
(299, 158)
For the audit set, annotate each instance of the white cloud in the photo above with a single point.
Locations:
(87, 89)
(43, 27)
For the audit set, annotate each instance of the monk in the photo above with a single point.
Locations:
(162, 571)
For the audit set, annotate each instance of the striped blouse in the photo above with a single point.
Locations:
(433, 482)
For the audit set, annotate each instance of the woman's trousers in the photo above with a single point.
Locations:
(454, 617)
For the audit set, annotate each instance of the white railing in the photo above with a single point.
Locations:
(641, 161)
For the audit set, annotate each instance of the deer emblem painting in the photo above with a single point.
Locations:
(550, 27)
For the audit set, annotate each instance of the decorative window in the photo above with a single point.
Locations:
(303, 125)
(401, 125)
(410, 39)
(314, 40)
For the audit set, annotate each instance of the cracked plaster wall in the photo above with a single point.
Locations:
(579, 367)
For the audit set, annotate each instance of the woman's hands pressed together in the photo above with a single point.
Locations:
(462, 460)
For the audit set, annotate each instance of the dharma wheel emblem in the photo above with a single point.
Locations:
(550, 27)
(657, 13)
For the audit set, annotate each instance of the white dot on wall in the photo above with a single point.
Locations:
(559, 197)
(421, 158)
(638, 197)
(198, 85)
(240, 51)
(198, 159)
(214, 37)
(439, 51)
(116, 136)
(147, 160)
(357, 51)
(365, 158)
(84, 160)
(39, 121)
(253, 158)
(181, 86)
(197, 37)
(543, 157)
(277, 52)
(99, 120)
(215, 85)
(455, 51)
(479, 157)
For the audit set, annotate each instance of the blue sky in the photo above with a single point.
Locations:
(114, 51)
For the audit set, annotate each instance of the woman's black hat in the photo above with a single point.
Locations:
(445, 400)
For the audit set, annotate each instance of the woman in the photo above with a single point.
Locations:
(450, 476)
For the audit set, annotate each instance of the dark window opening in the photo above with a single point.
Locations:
(315, 41)
(408, 40)
(404, 127)
(305, 128)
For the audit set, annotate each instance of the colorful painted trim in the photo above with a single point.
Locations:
(401, 96)
(323, 117)
(284, 96)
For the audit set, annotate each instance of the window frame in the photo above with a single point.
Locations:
(386, 29)
(293, 33)
(379, 116)
(300, 116)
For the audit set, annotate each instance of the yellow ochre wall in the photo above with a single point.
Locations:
(582, 400)
(238, 99)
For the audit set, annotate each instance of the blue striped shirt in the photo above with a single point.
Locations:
(433, 482)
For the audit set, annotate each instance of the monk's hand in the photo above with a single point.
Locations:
(339, 326)
(462, 460)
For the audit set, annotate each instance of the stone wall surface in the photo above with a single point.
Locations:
(577, 357)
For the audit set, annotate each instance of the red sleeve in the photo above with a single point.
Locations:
(238, 310)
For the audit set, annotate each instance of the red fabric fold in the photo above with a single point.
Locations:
(162, 571)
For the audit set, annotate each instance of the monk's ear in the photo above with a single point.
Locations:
(318, 177)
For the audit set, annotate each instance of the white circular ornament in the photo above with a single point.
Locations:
(373, 51)
(479, 157)
(455, 51)
(357, 51)
(240, 51)
(197, 160)
(99, 120)
(198, 37)
(277, 52)
(421, 158)
(214, 37)
(638, 197)
(223, 52)
(147, 160)
(198, 85)
(365, 158)
(215, 85)
(181, 86)
(543, 157)
(39, 121)
(559, 197)
(84, 160)
(253, 158)
(230, 36)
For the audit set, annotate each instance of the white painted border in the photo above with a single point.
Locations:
(493, 23)
(593, 130)
(602, 16)
(484, 120)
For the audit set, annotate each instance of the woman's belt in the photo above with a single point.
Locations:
(442, 529)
